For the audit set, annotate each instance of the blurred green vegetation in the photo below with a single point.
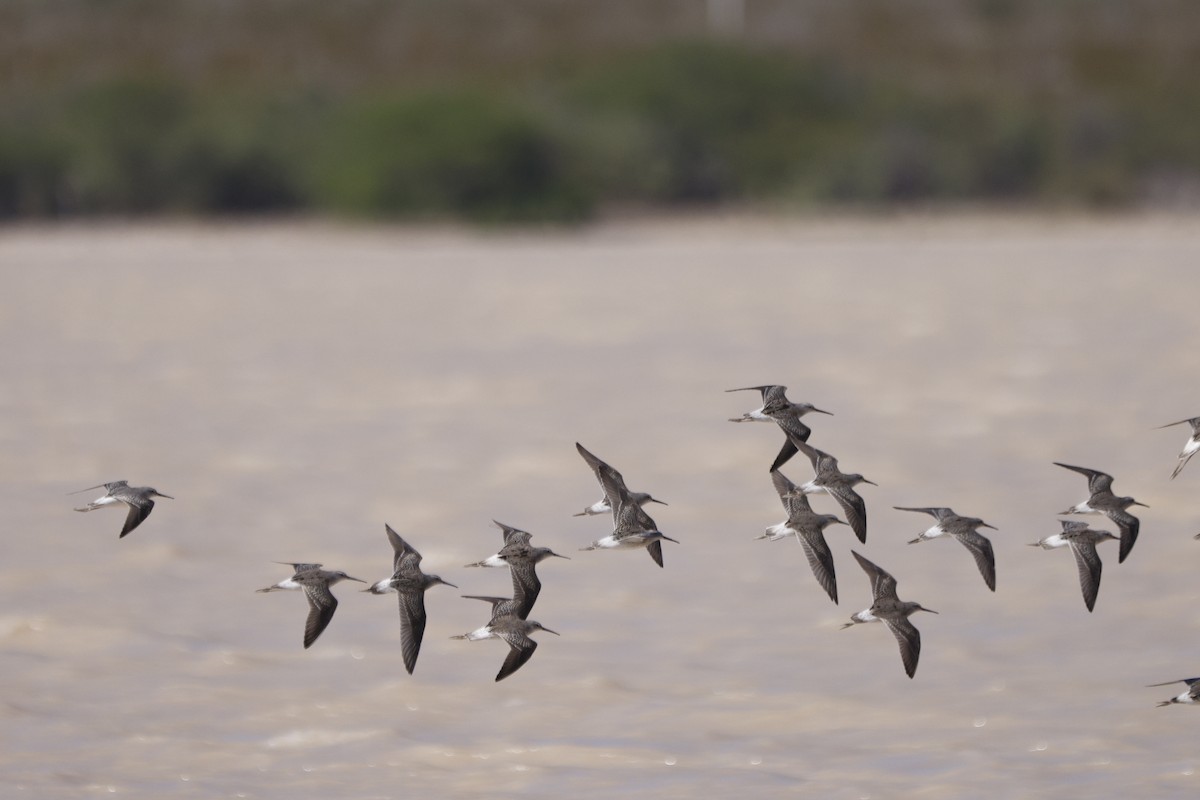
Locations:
(552, 111)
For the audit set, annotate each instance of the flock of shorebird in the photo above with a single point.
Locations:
(633, 528)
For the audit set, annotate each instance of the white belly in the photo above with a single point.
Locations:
(778, 531)
(933, 532)
(480, 633)
(625, 543)
(600, 507)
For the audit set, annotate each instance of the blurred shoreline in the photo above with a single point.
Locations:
(563, 112)
(960, 220)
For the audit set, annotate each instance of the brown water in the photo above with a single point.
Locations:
(296, 386)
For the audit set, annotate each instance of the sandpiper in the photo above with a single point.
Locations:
(138, 498)
(522, 558)
(1192, 695)
(1103, 501)
(410, 583)
(963, 529)
(830, 480)
(633, 527)
(1082, 540)
(1190, 446)
(778, 409)
(513, 630)
(604, 504)
(891, 610)
(315, 583)
(808, 528)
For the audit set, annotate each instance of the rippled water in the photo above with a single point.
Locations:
(296, 386)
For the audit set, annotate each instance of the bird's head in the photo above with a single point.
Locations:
(434, 580)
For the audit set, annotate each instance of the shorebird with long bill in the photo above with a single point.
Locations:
(522, 559)
(605, 473)
(840, 485)
(410, 583)
(964, 529)
(139, 500)
(633, 527)
(888, 608)
(809, 529)
(315, 583)
(784, 413)
(1082, 540)
(1101, 500)
(514, 631)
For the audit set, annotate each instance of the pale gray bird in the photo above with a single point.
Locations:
(522, 559)
(607, 475)
(892, 611)
(964, 530)
(1101, 500)
(633, 527)
(784, 413)
(808, 527)
(410, 583)
(137, 498)
(315, 583)
(513, 630)
(840, 485)
(1082, 540)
